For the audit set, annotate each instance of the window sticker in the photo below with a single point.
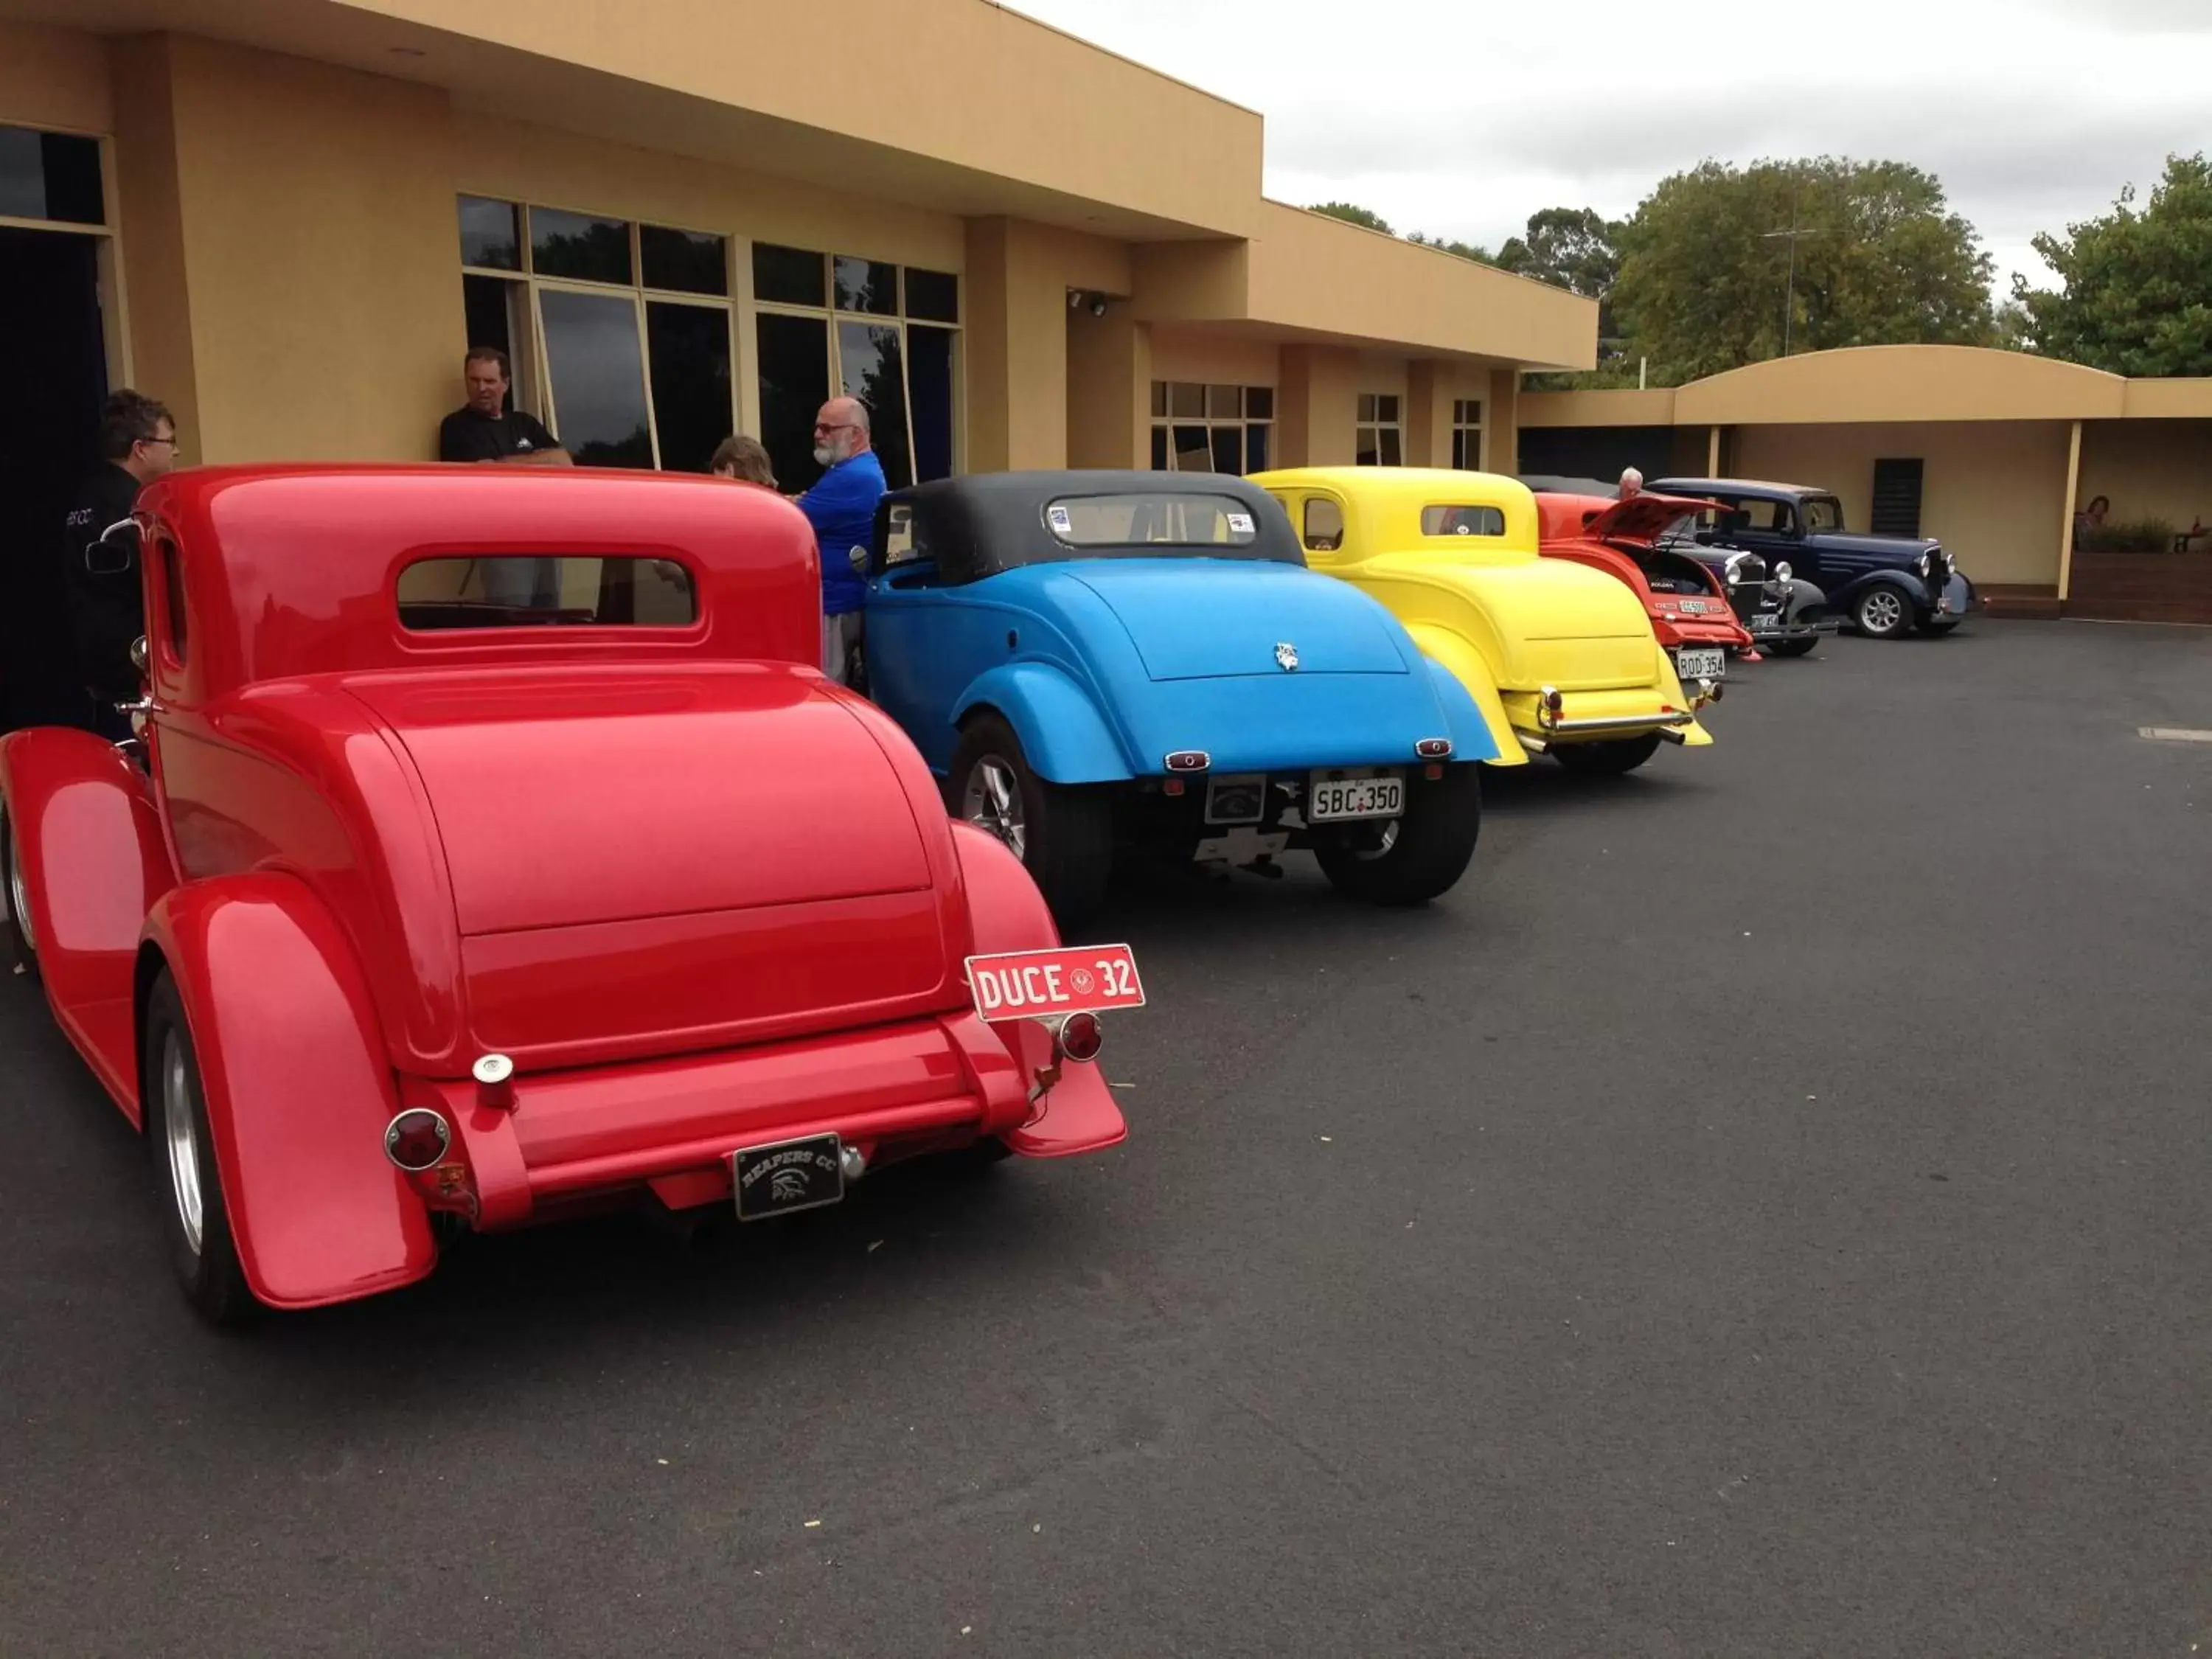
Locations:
(1057, 516)
(1240, 524)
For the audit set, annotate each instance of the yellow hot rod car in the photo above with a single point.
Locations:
(1560, 657)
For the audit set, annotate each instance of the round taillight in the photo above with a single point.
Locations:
(416, 1139)
(1081, 1037)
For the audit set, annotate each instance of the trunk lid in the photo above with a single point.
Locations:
(720, 851)
(1188, 630)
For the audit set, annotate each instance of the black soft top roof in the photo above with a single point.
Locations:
(1736, 487)
(981, 523)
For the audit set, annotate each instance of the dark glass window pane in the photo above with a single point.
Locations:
(1228, 449)
(50, 175)
(1391, 456)
(488, 235)
(1364, 453)
(523, 590)
(793, 364)
(867, 285)
(1159, 398)
(1255, 448)
(683, 261)
(574, 245)
(689, 348)
(1366, 410)
(491, 303)
(1224, 403)
(1159, 449)
(599, 377)
(788, 275)
(1194, 450)
(874, 371)
(1260, 403)
(1388, 407)
(929, 389)
(933, 294)
(1185, 400)
(1459, 451)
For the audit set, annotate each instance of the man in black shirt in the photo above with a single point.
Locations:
(485, 429)
(106, 604)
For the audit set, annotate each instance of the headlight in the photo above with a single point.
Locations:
(1927, 563)
(1782, 572)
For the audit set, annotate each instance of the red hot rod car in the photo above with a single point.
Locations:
(1688, 607)
(495, 850)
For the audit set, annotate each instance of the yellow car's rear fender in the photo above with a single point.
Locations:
(1694, 736)
(1468, 667)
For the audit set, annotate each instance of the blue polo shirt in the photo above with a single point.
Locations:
(842, 507)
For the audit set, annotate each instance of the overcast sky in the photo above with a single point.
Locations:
(1460, 117)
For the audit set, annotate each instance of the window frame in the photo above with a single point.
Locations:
(107, 237)
(533, 391)
(1364, 426)
(1470, 438)
(1163, 423)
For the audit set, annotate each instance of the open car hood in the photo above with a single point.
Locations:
(1213, 618)
(1641, 517)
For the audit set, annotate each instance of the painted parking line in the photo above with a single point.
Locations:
(2174, 734)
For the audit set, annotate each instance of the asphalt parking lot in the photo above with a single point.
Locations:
(1762, 1211)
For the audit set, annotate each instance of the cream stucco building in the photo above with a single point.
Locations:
(288, 218)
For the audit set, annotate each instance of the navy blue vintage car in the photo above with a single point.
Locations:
(1102, 662)
(1884, 586)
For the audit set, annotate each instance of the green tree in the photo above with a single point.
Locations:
(1481, 255)
(1856, 253)
(2135, 287)
(1352, 213)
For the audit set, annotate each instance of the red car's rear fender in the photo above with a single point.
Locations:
(298, 1090)
(94, 863)
(1077, 1115)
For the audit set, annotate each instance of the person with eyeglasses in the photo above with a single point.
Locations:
(106, 606)
(842, 507)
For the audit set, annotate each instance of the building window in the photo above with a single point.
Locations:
(618, 332)
(1380, 438)
(1467, 434)
(51, 177)
(865, 328)
(1198, 428)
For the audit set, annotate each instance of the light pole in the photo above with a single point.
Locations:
(1789, 291)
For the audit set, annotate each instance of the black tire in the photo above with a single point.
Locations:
(1884, 611)
(15, 887)
(1608, 760)
(1791, 647)
(184, 1165)
(1067, 835)
(1414, 858)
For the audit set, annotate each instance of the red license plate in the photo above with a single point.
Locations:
(1040, 984)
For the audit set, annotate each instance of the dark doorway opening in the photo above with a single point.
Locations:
(53, 377)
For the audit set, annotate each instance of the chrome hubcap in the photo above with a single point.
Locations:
(1881, 612)
(19, 902)
(1385, 839)
(991, 799)
(183, 1142)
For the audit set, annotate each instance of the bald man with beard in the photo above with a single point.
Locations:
(842, 507)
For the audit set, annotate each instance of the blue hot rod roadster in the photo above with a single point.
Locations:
(1097, 664)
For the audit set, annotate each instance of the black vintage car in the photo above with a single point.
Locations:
(1884, 586)
(1784, 614)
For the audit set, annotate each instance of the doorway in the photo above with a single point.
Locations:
(53, 378)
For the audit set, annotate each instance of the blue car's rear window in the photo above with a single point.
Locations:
(1154, 522)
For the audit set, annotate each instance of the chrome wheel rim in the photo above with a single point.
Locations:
(19, 900)
(991, 799)
(1881, 612)
(183, 1140)
(1385, 839)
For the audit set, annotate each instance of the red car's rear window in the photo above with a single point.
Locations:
(552, 590)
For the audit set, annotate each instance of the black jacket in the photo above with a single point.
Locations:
(106, 611)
